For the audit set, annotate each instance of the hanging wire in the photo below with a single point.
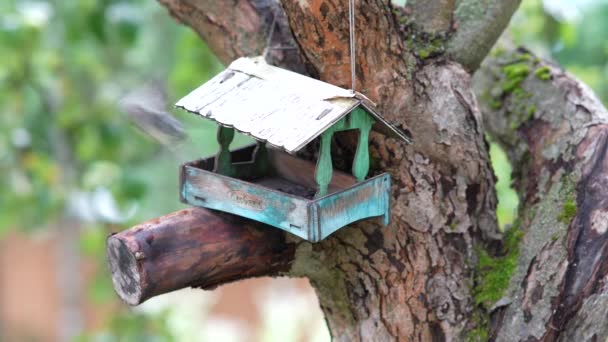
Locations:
(351, 26)
(270, 34)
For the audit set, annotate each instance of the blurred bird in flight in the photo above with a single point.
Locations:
(146, 106)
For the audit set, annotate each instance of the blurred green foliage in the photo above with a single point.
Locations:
(66, 64)
(571, 33)
(133, 326)
(507, 197)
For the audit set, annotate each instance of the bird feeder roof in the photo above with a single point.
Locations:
(283, 108)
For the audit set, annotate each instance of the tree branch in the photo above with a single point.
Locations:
(556, 133)
(240, 28)
(193, 248)
(479, 24)
(432, 16)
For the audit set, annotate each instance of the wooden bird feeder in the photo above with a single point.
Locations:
(284, 111)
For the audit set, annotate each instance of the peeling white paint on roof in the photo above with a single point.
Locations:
(285, 109)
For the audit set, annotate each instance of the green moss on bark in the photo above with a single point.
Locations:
(568, 211)
(426, 46)
(495, 104)
(493, 275)
(423, 44)
(494, 272)
(481, 332)
(543, 73)
(515, 74)
(509, 94)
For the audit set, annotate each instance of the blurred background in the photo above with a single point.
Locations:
(73, 167)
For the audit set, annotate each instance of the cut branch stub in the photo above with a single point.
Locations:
(193, 248)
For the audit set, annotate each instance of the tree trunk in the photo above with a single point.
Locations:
(441, 270)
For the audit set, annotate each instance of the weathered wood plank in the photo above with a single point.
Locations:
(368, 199)
(259, 203)
(300, 84)
(273, 105)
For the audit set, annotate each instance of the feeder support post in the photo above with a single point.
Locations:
(364, 122)
(223, 162)
(260, 159)
(324, 164)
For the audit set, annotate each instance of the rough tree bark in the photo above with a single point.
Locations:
(427, 276)
(556, 132)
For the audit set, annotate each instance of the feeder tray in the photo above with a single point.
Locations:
(285, 197)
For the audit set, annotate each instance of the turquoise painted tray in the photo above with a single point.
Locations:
(285, 197)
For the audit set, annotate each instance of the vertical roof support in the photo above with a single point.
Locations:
(360, 120)
(324, 164)
(223, 162)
